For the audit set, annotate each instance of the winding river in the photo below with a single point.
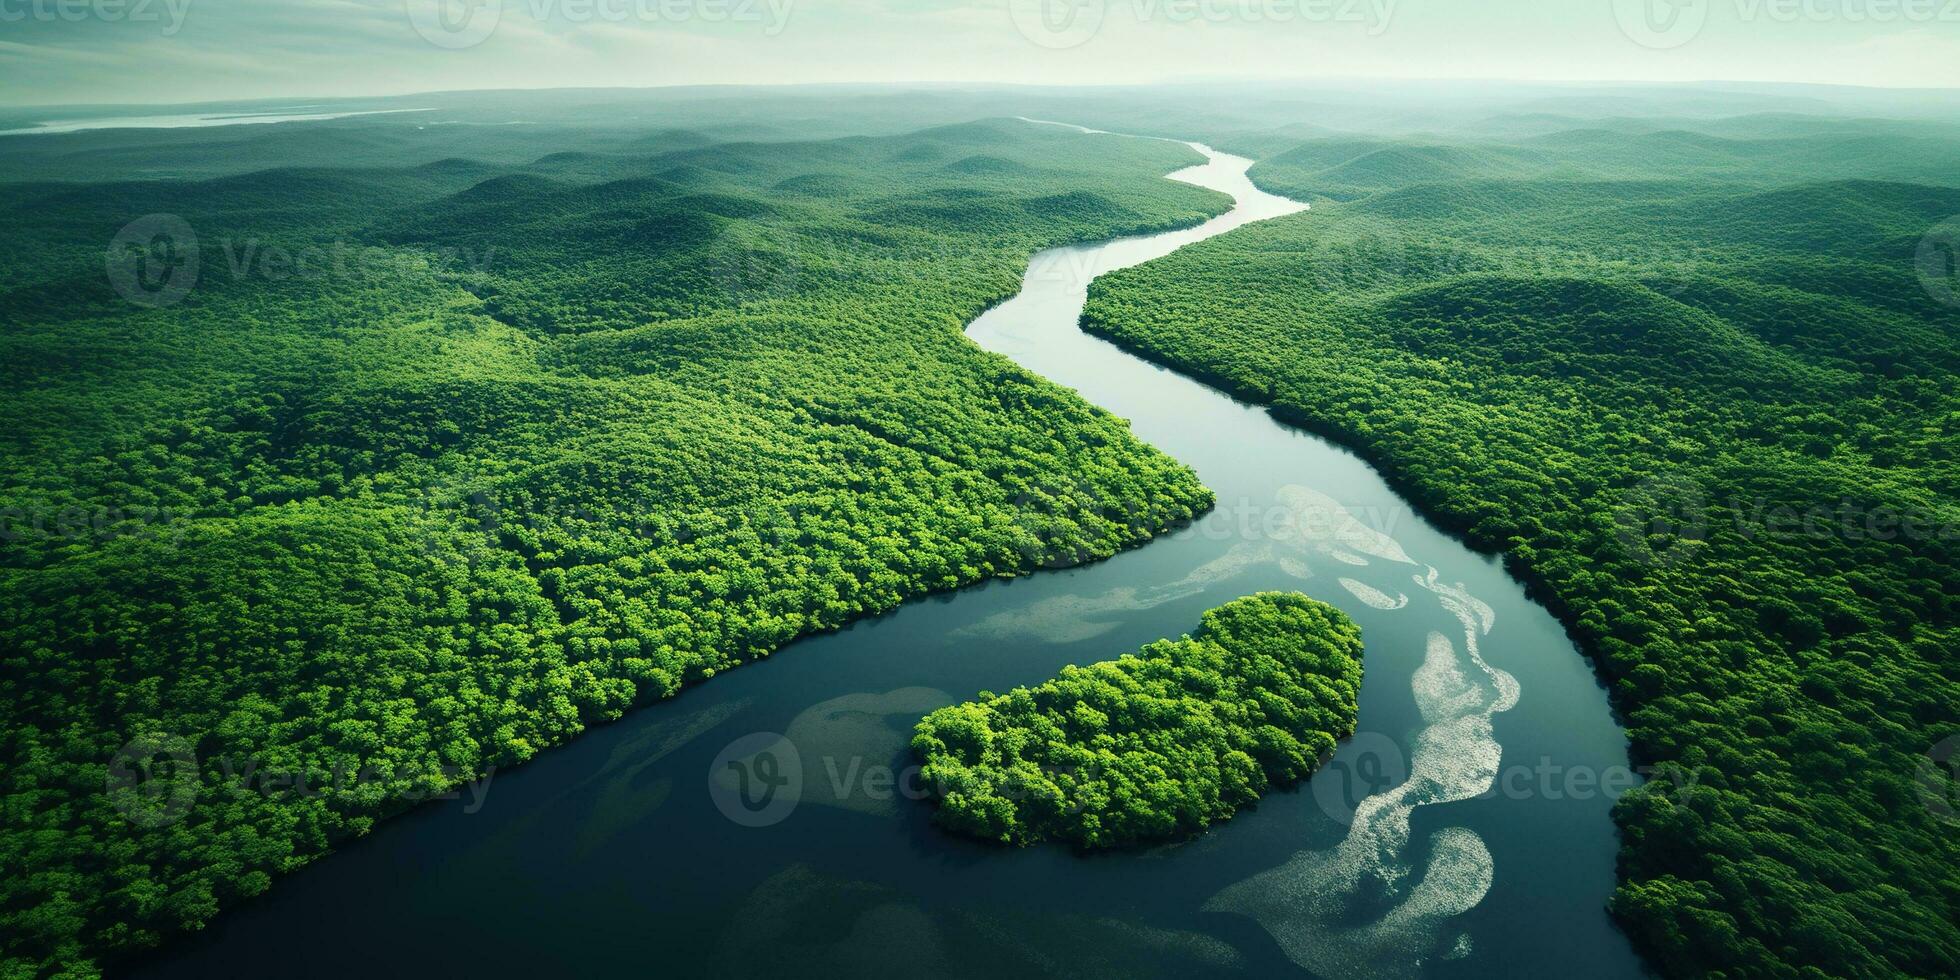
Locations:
(1463, 832)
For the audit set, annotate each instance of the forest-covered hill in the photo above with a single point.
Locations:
(1700, 388)
(434, 465)
(474, 425)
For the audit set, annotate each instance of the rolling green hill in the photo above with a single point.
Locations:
(1713, 422)
(438, 464)
(1348, 168)
(483, 424)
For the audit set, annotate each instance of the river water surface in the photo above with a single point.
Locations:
(760, 825)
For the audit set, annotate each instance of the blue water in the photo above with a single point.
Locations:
(1462, 833)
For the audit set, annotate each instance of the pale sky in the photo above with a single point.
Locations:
(125, 51)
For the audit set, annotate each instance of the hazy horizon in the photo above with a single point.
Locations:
(82, 52)
(296, 100)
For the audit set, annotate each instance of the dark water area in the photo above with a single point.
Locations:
(1464, 832)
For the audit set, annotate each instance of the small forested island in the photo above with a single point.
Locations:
(1156, 744)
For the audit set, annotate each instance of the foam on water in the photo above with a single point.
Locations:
(1326, 526)
(835, 739)
(1073, 618)
(1372, 596)
(1309, 920)
(1373, 905)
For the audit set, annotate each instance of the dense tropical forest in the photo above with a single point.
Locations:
(351, 461)
(1696, 379)
(1156, 744)
(442, 459)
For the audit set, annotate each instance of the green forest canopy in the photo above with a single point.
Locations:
(438, 464)
(1693, 385)
(434, 513)
(1156, 744)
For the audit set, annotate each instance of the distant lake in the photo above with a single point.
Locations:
(186, 121)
